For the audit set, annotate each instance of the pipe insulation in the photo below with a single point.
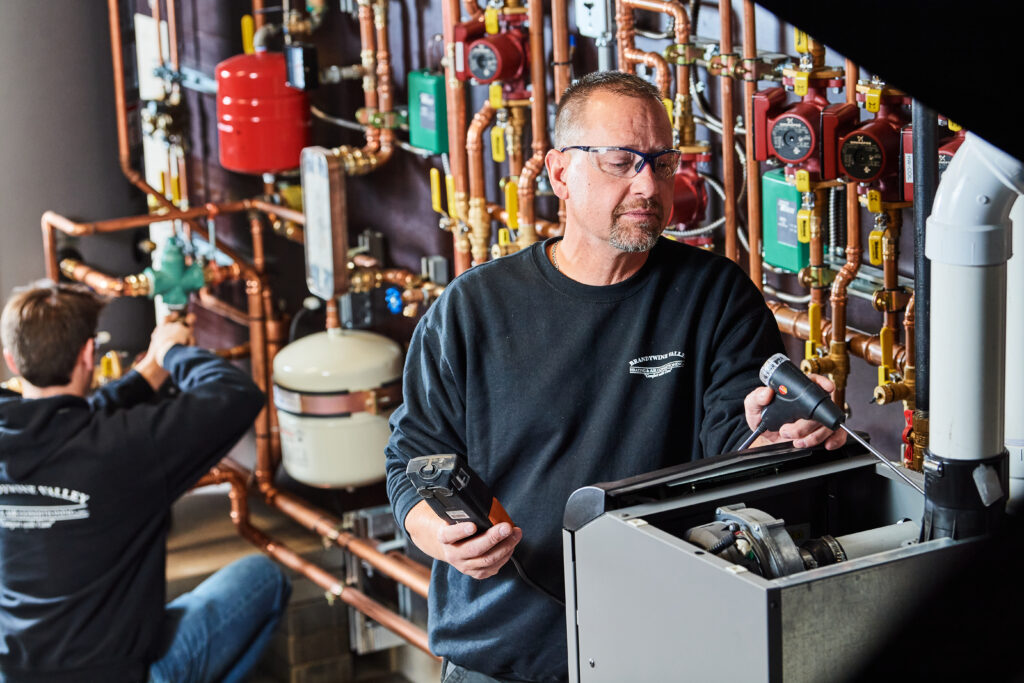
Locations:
(969, 244)
(1015, 360)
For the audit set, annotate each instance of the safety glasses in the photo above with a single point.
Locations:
(623, 162)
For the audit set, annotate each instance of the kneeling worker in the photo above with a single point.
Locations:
(86, 487)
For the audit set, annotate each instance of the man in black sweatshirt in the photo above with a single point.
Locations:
(86, 485)
(598, 356)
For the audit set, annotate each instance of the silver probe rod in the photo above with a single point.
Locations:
(888, 463)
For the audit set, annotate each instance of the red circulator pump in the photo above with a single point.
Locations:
(870, 153)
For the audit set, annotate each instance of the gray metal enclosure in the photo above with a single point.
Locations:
(645, 605)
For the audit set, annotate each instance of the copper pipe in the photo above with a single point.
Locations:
(654, 61)
(159, 34)
(277, 211)
(257, 14)
(545, 229)
(816, 256)
(234, 353)
(728, 136)
(890, 258)
(560, 46)
(866, 346)
(124, 153)
(326, 525)
(479, 222)
(525, 192)
(625, 32)
(755, 233)
(206, 299)
(515, 140)
(473, 9)
(681, 30)
(172, 31)
(332, 321)
(455, 92)
(101, 283)
(289, 558)
(258, 350)
(908, 333)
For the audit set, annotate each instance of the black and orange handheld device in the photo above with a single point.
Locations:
(454, 491)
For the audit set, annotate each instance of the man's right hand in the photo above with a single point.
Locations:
(164, 336)
(478, 557)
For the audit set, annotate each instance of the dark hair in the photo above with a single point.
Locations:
(45, 326)
(570, 107)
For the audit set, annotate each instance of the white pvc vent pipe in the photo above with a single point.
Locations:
(969, 242)
(1015, 358)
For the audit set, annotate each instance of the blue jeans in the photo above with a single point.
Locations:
(218, 631)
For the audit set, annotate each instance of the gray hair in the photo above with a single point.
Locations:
(571, 106)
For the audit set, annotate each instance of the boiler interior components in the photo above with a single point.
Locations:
(813, 561)
(780, 204)
(263, 124)
(428, 117)
(334, 391)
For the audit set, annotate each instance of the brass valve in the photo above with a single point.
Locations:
(891, 392)
(819, 366)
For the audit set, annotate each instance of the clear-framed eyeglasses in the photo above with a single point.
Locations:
(623, 162)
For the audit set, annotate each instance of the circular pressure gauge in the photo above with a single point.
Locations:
(861, 157)
(792, 139)
(944, 160)
(483, 62)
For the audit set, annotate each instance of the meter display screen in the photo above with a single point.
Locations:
(792, 139)
(862, 157)
(483, 62)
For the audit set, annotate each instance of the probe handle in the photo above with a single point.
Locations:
(454, 491)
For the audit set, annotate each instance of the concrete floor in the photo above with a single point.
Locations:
(203, 539)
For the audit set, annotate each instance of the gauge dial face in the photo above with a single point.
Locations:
(792, 139)
(862, 157)
(483, 62)
(944, 161)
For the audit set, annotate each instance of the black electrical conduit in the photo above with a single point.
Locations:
(926, 180)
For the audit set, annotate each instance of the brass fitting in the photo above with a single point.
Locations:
(479, 225)
(816, 277)
(891, 392)
(818, 366)
(357, 161)
(890, 300)
(919, 437)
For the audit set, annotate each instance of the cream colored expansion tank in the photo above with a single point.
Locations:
(334, 392)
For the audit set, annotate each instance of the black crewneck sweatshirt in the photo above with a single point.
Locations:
(545, 385)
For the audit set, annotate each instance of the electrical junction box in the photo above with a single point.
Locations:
(428, 117)
(780, 202)
(593, 18)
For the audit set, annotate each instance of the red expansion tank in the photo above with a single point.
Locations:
(262, 123)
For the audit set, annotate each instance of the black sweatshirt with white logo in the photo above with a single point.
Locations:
(85, 493)
(546, 385)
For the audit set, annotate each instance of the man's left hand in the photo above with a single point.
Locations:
(803, 433)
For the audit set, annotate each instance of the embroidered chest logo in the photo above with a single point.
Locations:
(34, 512)
(657, 365)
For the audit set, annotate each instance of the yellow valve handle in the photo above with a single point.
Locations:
(163, 183)
(801, 42)
(800, 83)
(803, 226)
(176, 189)
(498, 143)
(512, 202)
(491, 20)
(873, 99)
(875, 242)
(885, 337)
(954, 127)
(248, 32)
(496, 96)
(669, 109)
(814, 322)
(449, 182)
(803, 181)
(504, 237)
(874, 201)
(292, 196)
(435, 191)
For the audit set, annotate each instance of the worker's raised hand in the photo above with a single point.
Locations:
(167, 334)
(480, 556)
(803, 433)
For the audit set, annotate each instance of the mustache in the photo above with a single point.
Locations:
(650, 204)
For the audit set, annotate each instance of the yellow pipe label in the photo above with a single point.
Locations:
(803, 226)
(435, 191)
(874, 201)
(504, 238)
(803, 181)
(668, 110)
(498, 144)
(248, 31)
(801, 45)
(496, 96)
(954, 127)
(800, 83)
(491, 20)
(449, 182)
(512, 202)
(814, 320)
(873, 99)
(875, 240)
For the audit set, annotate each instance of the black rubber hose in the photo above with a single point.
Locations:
(926, 180)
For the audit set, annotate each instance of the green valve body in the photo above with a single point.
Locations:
(780, 202)
(428, 118)
(173, 280)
